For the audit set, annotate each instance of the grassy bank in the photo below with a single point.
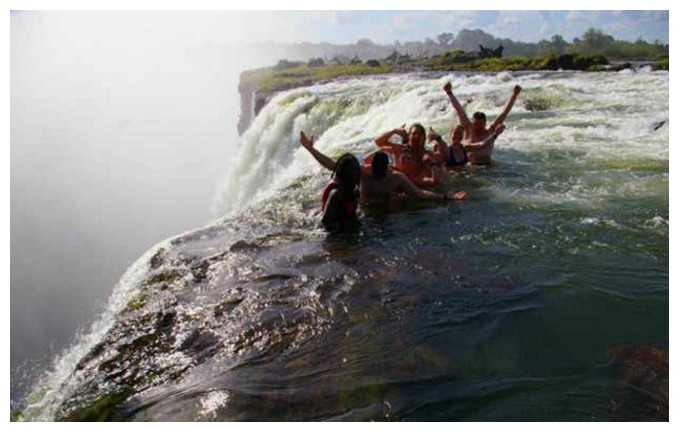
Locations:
(287, 75)
(273, 79)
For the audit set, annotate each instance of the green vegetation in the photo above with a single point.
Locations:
(662, 65)
(449, 52)
(595, 42)
(137, 301)
(287, 75)
(456, 60)
(276, 78)
(106, 408)
(592, 42)
(164, 276)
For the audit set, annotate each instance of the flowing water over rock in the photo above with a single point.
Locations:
(540, 297)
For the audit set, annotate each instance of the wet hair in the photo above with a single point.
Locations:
(379, 165)
(479, 115)
(406, 152)
(423, 132)
(343, 170)
(419, 126)
(459, 129)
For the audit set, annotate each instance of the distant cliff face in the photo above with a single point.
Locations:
(246, 91)
(254, 96)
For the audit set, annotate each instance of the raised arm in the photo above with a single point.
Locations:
(308, 143)
(459, 109)
(440, 147)
(489, 141)
(382, 140)
(508, 107)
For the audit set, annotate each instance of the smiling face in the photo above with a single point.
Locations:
(416, 135)
(479, 121)
(405, 162)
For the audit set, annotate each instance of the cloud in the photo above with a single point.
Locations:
(347, 26)
(388, 26)
(511, 18)
(574, 15)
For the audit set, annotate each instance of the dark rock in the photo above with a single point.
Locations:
(200, 345)
(285, 64)
(489, 52)
(317, 62)
(157, 258)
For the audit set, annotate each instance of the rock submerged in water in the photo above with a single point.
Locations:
(643, 371)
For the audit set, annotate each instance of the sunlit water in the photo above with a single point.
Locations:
(509, 305)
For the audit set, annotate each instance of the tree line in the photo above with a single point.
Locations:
(592, 42)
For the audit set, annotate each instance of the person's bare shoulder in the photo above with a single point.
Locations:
(398, 180)
(398, 176)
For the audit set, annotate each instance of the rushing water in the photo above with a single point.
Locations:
(543, 296)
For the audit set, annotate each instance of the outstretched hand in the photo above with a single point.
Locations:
(402, 132)
(448, 87)
(459, 195)
(432, 135)
(517, 89)
(307, 143)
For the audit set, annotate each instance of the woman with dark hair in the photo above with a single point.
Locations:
(339, 200)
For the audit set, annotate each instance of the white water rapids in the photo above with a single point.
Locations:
(591, 118)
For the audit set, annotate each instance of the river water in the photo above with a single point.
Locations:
(543, 296)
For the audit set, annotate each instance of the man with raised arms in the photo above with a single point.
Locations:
(479, 140)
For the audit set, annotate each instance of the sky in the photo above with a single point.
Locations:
(526, 26)
(380, 26)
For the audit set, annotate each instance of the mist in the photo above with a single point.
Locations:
(122, 126)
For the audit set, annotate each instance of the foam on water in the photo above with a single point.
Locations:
(589, 119)
(56, 384)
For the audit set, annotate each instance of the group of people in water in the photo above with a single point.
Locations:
(414, 168)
